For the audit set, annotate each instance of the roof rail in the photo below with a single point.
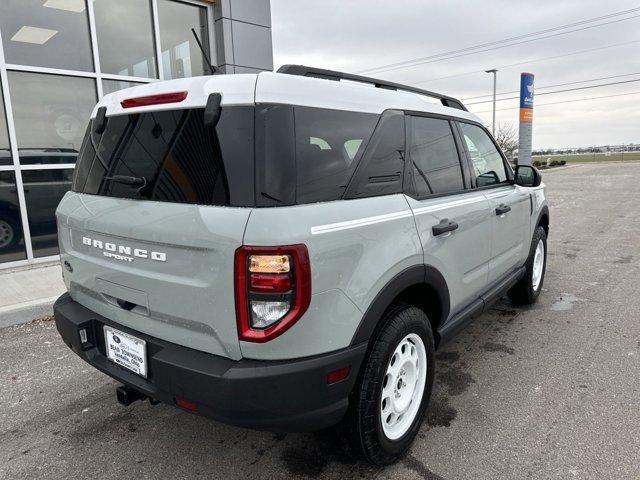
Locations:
(304, 71)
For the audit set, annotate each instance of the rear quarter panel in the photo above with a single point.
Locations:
(355, 248)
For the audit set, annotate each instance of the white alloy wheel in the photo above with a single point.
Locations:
(6, 233)
(403, 386)
(538, 266)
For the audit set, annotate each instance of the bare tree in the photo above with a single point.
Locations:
(507, 138)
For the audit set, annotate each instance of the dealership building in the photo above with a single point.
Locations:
(59, 57)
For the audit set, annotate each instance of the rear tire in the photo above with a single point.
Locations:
(393, 388)
(10, 232)
(527, 290)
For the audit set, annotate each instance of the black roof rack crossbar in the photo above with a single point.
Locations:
(304, 71)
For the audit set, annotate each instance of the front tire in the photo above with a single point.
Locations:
(527, 290)
(393, 388)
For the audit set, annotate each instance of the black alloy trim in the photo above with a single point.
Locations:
(424, 274)
(279, 395)
(305, 71)
(480, 305)
(415, 275)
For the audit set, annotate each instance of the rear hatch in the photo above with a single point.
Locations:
(157, 209)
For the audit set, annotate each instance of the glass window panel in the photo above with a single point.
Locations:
(488, 166)
(181, 56)
(43, 190)
(46, 33)
(5, 152)
(177, 157)
(11, 240)
(383, 161)
(110, 86)
(50, 113)
(125, 37)
(435, 165)
(324, 165)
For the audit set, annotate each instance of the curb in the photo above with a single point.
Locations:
(25, 312)
(563, 167)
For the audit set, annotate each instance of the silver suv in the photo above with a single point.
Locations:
(286, 251)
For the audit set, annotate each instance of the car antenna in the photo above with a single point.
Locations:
(204, 54)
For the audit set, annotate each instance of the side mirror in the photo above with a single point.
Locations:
(527, 176)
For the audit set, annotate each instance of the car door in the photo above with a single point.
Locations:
(510, 204)
(453, 221)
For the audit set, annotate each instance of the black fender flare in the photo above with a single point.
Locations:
(544, 211)
(415, 275)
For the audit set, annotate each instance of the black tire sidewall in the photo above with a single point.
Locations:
(539, 235)
(16, 232)
(413, 321)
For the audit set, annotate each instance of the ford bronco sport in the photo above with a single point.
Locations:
(285, 251)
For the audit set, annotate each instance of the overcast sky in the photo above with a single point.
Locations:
(357, 35)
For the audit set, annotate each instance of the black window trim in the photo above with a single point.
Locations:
(459, 148)
(507, 168)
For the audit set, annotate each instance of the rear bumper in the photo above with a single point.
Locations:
(283, 396)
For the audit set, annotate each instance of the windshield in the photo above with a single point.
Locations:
(171, 156)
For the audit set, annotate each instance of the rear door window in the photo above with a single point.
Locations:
(171, 156)
(328, 144)
(435, 166)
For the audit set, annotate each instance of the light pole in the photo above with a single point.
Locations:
(493, 123)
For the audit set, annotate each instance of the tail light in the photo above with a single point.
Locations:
(272, 289)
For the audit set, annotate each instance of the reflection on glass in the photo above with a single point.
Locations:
(46, 33)
(50, 113)
(43, 190)
(11, 239)
(125, 37)
(181, 56)
(5, 153)
(110, 86)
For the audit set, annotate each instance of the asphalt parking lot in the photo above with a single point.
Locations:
(547, 392)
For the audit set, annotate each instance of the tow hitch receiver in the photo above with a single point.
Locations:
(127, 395)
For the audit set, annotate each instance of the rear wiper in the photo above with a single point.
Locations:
(127, 180)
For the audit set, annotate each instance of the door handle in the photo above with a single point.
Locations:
(444, 226)
(502, 209)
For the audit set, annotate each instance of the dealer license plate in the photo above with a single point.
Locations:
(126, 350)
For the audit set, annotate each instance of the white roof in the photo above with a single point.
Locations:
(268, 87)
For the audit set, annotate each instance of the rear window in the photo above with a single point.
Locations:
(171, 156)
(302, 155)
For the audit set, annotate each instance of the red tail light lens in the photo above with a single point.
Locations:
(173, 97)
(272, 290)
(270, 283)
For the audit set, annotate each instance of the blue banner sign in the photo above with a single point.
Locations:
(526, 119)
(526, 90)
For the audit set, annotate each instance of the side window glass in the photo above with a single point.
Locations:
(324, 162)
(435, 164)
(488, 167)
(381, 167)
